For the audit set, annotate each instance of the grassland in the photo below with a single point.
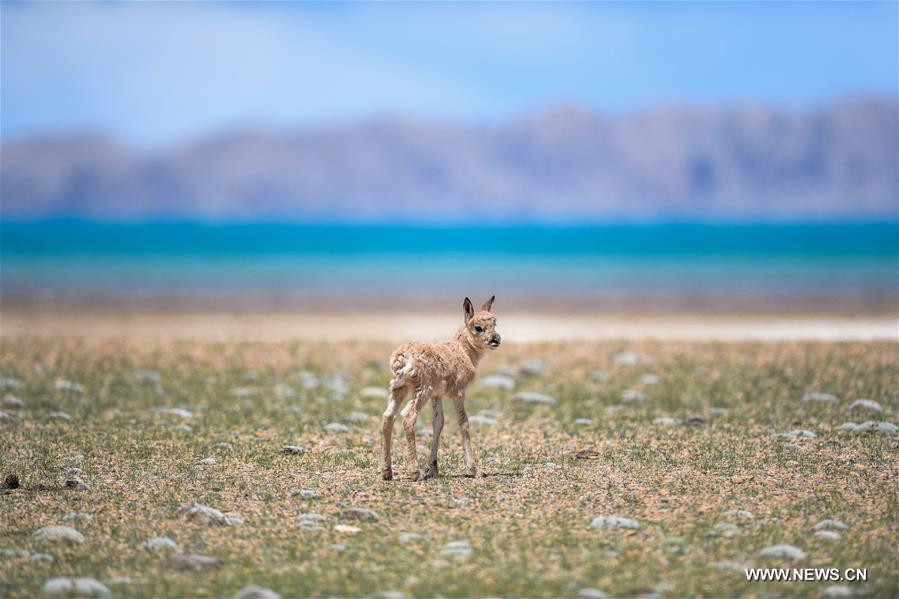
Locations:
(550, 472)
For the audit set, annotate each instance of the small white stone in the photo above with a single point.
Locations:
(836, 591)
(497, 381)
(849, 426)
(242, 392)
(533, 367)
(359, 513)
(408, 537)
(625, 358)
(456, 549)
(336, 427)
(210, 461)
(64, 385)
(78, 517)
(7, 416)
(745, 514)
(591, 593)
(284, 391)
(783, 551)
(347, 529)
(482, 420)
(41, 557)
(224, 446)
(10, 383)
(253, 592)
(598, 376)
(147, 376)
(304, 494)
(207, 515)
(120, 580)
(179, 412)
(534, 397)
(819, 398)
(79, 587)
(308, 380)
(667, 421)
(614, 522)
(879, 427)
(59, 533)
(632, 395)
(60, 416)
(162, 545)
(583, 421)
(293, 449)
(830, 524)
(309, 518)
(374, 393)
(649, 379)
(357, 417)
(725, 529)
(729, 565)
(830, 535)
(865, 404)
(12, 402)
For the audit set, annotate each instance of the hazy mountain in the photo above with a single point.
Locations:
(716, 163)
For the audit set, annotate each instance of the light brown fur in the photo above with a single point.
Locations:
(429, 371)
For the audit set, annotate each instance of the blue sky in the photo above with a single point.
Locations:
(158, 73)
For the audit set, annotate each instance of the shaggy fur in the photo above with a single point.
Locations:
(429, 371)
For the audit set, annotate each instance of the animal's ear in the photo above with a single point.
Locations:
(468, 309)
(488, 304)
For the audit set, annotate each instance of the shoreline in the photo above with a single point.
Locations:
(368, 325)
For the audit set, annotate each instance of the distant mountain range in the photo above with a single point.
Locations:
(735, 163)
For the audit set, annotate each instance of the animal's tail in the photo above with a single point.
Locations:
(402, 366)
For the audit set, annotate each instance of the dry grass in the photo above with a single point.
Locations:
(527, 523)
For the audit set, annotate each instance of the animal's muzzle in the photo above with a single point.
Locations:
(494, 340)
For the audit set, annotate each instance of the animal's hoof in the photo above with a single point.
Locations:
(415, 476)
(387, 474)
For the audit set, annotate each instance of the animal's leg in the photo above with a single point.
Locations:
(471, 464)
(435, 439)
(397, 393)
(410, 416)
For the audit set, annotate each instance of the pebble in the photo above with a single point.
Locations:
(210, 461)
(284, 391)
(783, 551)
(253, 592)
(147, 376)
(76, 484)
(207, 515)
(307, 379)
(15, 552)
(304, 494)
(819, 398)
(192, 561)
(374, 393)
(456, 549)
(746, 514)
(716, 411)
(7, 416)
(120, 580)
(10, 383)
(830, 524)
(497, 381)
(725, 529)
(614, 522)
(591, 593)
(13, 402)
(491, 413)
(74, 459)
(598, 376)
(293, 450)
(729, 565)
(796, 433)
(873, 426)
(865, 404)
(667, 421)
(359, 513)
(310, 518)
(631, 395)
(389, 594)
(41, 557)
(649, 379)
(64, 385)
(78, 516)
(408, 537)
(179, 412)
(81, 586)
(674, 545)
(849, 426)
(59, 533)
(831, 535)
(60, 416)
(184, 428)
(336, 427)
(224, 446)
(534, 367)
(242, 392)
(347, 529)
(534, 397)
(583, 421)
(482, 420)
(624, 358)
(835, 591)
(73, 471)
(162, 544)
(357, 417)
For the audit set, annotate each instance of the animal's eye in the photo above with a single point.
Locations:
(478, 328)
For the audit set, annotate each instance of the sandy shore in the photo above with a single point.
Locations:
(514, 326)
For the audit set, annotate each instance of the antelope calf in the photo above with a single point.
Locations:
(429, 371)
